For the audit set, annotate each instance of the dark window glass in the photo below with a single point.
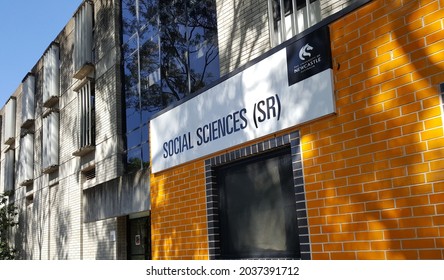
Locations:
(129, 18)
(132, 119)
(169, 51)
(257, 208)
(145, 155)
(134, 160)
(134, 138)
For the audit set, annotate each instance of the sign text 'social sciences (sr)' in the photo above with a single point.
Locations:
(227, 125)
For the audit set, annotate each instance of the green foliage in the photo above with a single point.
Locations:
(8, 212)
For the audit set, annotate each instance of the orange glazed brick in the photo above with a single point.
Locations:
(431, 102)
(369, 235)
(429, 113)
(356, 246)
(400, 234)
(407, 160)
(438, 187)
(387, 134)
(379, 185)
(386, 245)
(320, 256)
(402, 120)
(440, 209)
(339, 219)
(328, 211)
(415, 148)
(437, 198)
(431, 134)
(372, 148)
(412, 128)
(332, 247)
(361, 178)
(353, 227)
(427, 232)
(367, 216)
(338, 237)
(402, 255)
(371, 255)
(364, 197)
(404, 140)
(438, 220)
(396, 213)
(415, 222)
(421, 189)
(434, 154)
(418, 168)
(430, 254)
(418, 243)
(380, 205)
(381, 225)
(349, 190)
(412, 201)
(318, 238)
(435, 176)
(351, 208)
(384, 116)
(343, 256)
(331, 228)
(433, 123)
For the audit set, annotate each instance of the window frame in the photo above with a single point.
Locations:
(227, 251)
(292, 141)
(278, 31)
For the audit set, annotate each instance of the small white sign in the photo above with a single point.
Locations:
(253, 103)
(112, 236)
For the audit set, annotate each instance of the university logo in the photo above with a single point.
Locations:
(308, 56)
(305, 52)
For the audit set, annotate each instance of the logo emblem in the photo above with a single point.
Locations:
(304, 52)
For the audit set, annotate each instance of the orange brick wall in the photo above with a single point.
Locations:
(374, 173)
(178, 213)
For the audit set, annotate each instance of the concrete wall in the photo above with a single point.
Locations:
(51, 209)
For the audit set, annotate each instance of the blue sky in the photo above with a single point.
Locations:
(26, 30)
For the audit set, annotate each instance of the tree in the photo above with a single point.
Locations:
(8, 212)
(171, 52)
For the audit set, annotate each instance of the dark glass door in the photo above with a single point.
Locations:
(139, 243)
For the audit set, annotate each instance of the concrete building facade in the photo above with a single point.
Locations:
(232, 129)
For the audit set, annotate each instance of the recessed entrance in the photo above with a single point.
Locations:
(139, 238)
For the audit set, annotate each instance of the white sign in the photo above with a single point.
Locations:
(253, 103)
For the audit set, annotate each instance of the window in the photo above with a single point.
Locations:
(9, 123)
(87, 120)
(26, 160)
(256, 202)
(291, 17)
(50, 141)
(28, 100)
(257, 208)
(9, 170)
(83, 41)
(51, 76)
(88, 176)
(169, 51)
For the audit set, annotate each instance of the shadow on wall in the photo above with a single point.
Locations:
(62, 228)
(178, 220)
(245, 35)
(373, 191)
(100, 233)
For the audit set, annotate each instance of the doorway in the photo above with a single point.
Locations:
(139, 238)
